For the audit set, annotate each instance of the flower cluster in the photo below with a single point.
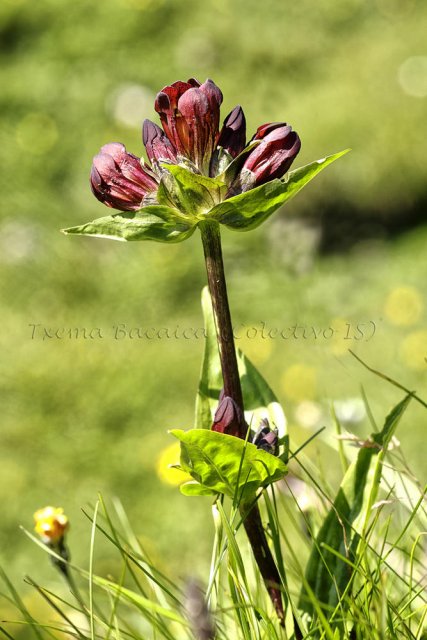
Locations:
(191, 137)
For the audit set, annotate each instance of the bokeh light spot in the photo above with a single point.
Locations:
(18, 240)
(404, 306)
(299, 382)
(413, 350)
(412, 76)
(350, 411)
(308, 414)
(130, 104)
(37, 133)
(169, 475)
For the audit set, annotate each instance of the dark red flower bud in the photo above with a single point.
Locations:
(267, 128)
(157, 144)
(228, 416)
(232, 137)
(274, 155)
(118, 178)
(189, 113)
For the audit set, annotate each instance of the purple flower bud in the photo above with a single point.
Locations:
(189, 113)
(274, 155)
(232, 137)
(159, 147)
(119, 180)
(266, 438)
(228, 416)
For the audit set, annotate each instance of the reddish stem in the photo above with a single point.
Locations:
(211, 239)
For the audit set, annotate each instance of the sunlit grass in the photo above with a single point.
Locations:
(383, 596)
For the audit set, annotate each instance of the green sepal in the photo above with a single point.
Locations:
(237, 163)
(193, 194)
(225, 464)
(220, 161)
(154, 222)
(248, 210)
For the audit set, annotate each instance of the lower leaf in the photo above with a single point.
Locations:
(154, 222)
(226, 464)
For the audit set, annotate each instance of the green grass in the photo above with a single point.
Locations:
(369, 584)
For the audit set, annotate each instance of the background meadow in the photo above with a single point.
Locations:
(91, 413)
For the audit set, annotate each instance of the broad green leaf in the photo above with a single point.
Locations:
(250, 209)
(154, 222)
(259, 400)
(346, 523)
(193, 194)
(226, 464)
(196, 489)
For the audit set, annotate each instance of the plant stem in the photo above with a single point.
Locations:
(211, 239)
(64, 569)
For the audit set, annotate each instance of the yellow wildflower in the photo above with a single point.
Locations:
(51, 524)
(167, 473)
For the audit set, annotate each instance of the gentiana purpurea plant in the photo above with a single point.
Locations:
(203, 176)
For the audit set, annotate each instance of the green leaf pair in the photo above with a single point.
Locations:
(186, 198)
(224, 464)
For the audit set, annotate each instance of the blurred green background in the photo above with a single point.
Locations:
(83, 415)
